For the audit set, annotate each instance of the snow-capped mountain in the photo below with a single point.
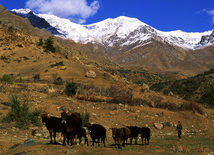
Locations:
(123, 31)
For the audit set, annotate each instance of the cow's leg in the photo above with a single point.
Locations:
(98, 141)
(50, 136)
(103, 139)
(145, 140)
(131, 140)
(119, 143)
(93, 140)
(54, 137)
(86, 140)
(64, 139)
(136, 140)
(142, 140)
(80, 140)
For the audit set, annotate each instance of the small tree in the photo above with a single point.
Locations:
(49, 45)
(71, 88)
(20, 113)
(40, 43)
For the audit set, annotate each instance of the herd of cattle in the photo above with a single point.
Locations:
(70, 125)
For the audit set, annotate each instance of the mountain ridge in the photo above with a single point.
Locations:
(125, 48)
(123, 30)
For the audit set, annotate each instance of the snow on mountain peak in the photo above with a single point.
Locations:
(21, 11)
(121, 30)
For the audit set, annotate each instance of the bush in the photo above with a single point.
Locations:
(85, 118)
(40, 43)
(166, 91)
(49, 45)
(70, 89)
(36, 77)
(6, 78)
(208, 96)
(20, 114)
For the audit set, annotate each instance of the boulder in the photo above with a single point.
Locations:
(91, 74)
(158, 126)
(29, 142)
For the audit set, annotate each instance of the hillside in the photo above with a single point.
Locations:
(111, 95)
(130, 42)
(198, 88)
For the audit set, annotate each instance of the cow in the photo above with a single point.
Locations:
(121, 135)
(113, 134)
(53, 124)
(145, 132)
(82, 133)
(134, 133)
(71, 126)
(98, 132)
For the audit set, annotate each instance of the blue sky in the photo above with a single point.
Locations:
(165, 15)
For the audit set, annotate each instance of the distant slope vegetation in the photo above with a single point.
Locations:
(199, 88)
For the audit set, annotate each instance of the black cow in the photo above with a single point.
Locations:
(113, 134)
(98, 132)
(134, 133)
(53, 124)
(82, 133)
(145, 132)
(71, 126)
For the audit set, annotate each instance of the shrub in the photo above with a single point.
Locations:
(58, 81)
(20, 113)
(207, 97)
(166, 91)
(6, 78)
(40, 43)
(85, 118)
(70, 89)
(36, 77)
(49, 45)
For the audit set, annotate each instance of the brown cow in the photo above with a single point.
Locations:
(121, 136)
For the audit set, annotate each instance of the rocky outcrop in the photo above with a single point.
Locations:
(208, 39)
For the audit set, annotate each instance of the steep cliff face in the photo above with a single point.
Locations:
(207, 39)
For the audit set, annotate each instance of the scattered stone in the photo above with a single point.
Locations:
(112, 113)
(63, 108)
(29, 142)
(94, 114)
(169, 124)
(63, 68)
(14, 146)
(68, 99)
(90, 74)
(158, 126)
(34, 131)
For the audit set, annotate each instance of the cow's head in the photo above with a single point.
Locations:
(64, 116)
(44, 118)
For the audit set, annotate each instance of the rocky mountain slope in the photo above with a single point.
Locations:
(130, 42)
(122, 30)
